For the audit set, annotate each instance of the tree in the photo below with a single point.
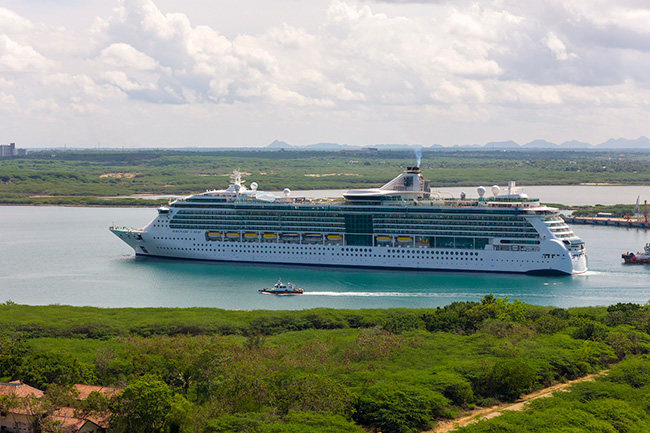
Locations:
(142, 407)
(42, 369)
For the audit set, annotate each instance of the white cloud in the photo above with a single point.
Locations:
(378, 69)
(558, 48)
(120, 55)
(7, 102)
(22, 58)
(11, 22)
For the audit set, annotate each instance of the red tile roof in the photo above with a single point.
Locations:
(72, 418)
(19, 389)
(85, 390)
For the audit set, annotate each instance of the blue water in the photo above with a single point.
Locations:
(66, 255)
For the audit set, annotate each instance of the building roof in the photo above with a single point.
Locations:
(85, 390)
(19, 389)
(67, 422)
(68, 416)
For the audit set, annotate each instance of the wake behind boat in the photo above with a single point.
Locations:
(282, 289)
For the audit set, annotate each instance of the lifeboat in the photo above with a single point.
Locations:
(232, 236)
(250, 236)
(212, 236)
(383, 239)
(291, 237)
(404, 239)
(313, 237)
(334, 237)
(270, 236)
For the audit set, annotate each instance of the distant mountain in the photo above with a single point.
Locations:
(540, 144)
(623, 143)
(399, 146)
(502, 145)
(575, 144)
(329, 146)
(279, 145)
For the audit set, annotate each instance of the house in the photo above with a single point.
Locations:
(65, 420)
(22, 411)
(19, 406)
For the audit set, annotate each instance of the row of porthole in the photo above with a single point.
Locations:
(311, 253)
(367, 250)
(230, 251)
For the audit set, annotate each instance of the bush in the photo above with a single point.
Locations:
(237, 423)
(400, 322)
(301, 422)
(313, 393)
(403, 410)
(634, 372)
(454, 387)
(42, 369)
(590, 330)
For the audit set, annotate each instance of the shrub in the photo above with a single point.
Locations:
(400, 322)
(634, 372)
(590, 330)
(403, 410)
(314, 393)
(301, 422)
(454, 387)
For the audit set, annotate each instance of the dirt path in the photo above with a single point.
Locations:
(494, 411)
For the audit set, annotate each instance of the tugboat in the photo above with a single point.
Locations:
(282, 289)
(642, 258)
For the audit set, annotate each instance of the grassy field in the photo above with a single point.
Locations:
(80, 177)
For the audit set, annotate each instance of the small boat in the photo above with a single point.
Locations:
(270, 236)
(282, 289)
(250, 236)
(334, 237)
(383, 239)
(232, 235)
(404, 239)
(642, 258)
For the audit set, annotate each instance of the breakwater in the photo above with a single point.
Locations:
(608, 221)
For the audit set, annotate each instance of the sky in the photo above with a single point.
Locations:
(216, 73)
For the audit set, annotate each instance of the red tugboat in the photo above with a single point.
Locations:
(638, 258)
(282, 289)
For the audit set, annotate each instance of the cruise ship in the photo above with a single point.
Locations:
(401, 225)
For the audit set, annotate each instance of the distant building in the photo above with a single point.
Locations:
(9, 150)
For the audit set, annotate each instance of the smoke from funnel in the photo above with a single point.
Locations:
(418, 155)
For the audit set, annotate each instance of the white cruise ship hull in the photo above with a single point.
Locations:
(402, 225)
(551, 257)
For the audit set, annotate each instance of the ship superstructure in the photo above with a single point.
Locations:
(401, 225)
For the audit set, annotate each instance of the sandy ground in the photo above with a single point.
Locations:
(494, 411)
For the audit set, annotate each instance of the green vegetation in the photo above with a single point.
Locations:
(80, 177)
(323, 370)
(617, 402)
(617, 211)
